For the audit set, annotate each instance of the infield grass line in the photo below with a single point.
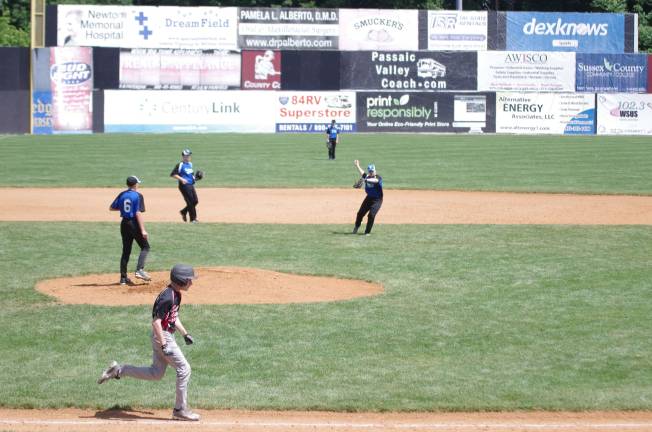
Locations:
(560, 164)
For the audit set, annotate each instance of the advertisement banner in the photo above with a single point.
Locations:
(624, 114)
(426, 112)
(300, 112)
(42, 123)
(526, 71)
(408, 70)
(554, 31)
(597, 73)
(649, 73)
(545, 113)
(180, 69)
(261, 70)
(148, 27)
(457, 31)
(71, 89)
(188, 111)
(379, 29)
(288, 28)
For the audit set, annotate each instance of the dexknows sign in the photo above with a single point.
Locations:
(426, 112)
(313, 111)
(611, 73)
(408, 70)
(580, 32)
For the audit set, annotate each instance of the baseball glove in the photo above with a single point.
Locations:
(199, 175)
(358, 183)
(329, 145)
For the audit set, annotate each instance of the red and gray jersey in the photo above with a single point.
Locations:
(166, 307)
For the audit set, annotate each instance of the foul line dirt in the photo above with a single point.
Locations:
(240, 421)
(332, 206)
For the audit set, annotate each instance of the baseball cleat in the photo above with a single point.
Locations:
(126, 281)
(195, 221)
(355, 230)
(110, 373)
(183, 216)
(142, 274)
(185, 415)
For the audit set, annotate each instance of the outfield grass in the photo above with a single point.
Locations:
(473, 318)
(446, 162)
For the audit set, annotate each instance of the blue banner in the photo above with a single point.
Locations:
(603, 73)
(579, 32)
(42, 123)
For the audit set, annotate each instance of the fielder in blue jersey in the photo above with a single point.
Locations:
(184, 173)
(333, 133)
(373, 186)
(131, 204)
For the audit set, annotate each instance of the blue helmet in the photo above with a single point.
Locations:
(371, 168)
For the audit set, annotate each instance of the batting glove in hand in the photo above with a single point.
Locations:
(167, 351)
(189, 340)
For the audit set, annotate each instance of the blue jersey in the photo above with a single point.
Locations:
(185, 171)
(374, 190)
(332, 131)
(129, 202)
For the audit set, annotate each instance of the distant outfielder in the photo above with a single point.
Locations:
(165, 321)
(183, 171)
(373, 186)
(333, 139)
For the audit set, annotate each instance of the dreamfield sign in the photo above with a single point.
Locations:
(579, 32)
(188, 111)
(526, 71)
(545, 113)
(147, 27)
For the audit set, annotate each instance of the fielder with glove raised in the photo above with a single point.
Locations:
(165, 322)
(373, 186)
(183, 171)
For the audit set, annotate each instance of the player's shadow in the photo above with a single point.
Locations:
(126, 414)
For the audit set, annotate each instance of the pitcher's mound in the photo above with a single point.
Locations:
(215, 285)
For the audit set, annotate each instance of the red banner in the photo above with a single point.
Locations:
(261, 70)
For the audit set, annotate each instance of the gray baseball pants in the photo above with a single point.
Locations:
(159, 363)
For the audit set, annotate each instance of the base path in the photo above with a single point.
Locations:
(74, 420)
(332, 206)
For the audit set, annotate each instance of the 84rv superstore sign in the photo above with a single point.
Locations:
(408, 70)
(313, 111)
(426, 112)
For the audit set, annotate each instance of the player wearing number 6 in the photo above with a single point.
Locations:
(131, 205)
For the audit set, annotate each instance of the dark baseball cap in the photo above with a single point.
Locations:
(186, 152)
(132, 180)
(181, 273)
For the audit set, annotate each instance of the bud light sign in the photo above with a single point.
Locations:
(579, 32)
(70, 73)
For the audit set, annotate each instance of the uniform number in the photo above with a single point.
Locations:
(126, 206)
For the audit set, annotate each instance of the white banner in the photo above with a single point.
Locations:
(179, 69)
(188, 111)
(379, 29)
(545, 113)
(526, 71)
(624, 114)
(313, 111)
(148, 27)
(457, 31)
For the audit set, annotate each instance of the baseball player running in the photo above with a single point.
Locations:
(183, 172)
(373, 186)
(131, 205)
(165, 321)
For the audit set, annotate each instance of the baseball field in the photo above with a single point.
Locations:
(507, 284)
